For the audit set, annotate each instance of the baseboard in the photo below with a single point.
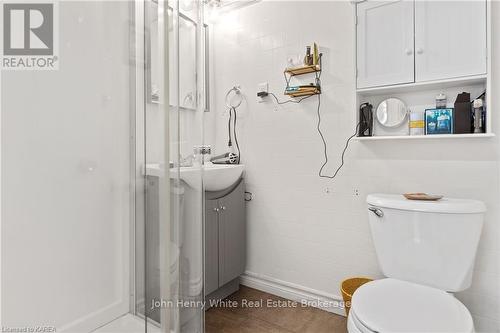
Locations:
(97, 319)
(294, 292)
(229, 288)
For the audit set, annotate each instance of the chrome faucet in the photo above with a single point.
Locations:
(204, 151)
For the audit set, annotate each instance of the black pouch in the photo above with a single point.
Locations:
(463, 114)
(365, 120)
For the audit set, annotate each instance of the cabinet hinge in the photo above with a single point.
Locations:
(356, 20)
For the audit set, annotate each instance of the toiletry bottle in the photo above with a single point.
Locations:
(315, 55)
(417, 122)
(478, 115)
(441, 101)
(308, 58)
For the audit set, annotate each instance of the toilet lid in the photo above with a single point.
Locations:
(390, 305)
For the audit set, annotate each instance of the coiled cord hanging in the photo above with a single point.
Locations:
(325, 148)
(236, 137)
(236, 90)
(229, 142)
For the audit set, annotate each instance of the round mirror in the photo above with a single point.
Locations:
(391, 112)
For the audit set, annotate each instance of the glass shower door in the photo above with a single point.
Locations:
(170, 269)
(66, 166)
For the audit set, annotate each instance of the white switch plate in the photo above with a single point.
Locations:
(262, 87)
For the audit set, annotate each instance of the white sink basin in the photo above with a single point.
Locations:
(216, 177)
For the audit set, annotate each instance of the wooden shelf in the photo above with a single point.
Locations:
(303, 70)
(426, 137)
(303, 93)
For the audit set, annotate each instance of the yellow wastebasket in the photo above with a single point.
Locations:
(348, 287)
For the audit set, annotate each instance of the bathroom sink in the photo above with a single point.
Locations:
(216, 177)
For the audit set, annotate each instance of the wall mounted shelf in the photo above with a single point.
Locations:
(421, 86)
(426, 137)
(303, 93)
(303, 70)
(428, 72)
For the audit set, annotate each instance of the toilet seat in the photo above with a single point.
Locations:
(354, 325)
(390, 305)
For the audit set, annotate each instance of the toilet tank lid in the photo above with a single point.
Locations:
(445, 205)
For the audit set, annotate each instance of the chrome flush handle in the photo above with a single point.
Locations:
(376, 211)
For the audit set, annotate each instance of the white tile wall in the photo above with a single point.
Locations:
(311, 231)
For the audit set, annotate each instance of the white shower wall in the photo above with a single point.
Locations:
(308, 232)
(66, 138)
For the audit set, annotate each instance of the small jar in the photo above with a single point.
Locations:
(441, 101)
(417, 123)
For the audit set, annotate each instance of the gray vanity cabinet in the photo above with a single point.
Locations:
(211, 245)
(232, 235)
(225, 237)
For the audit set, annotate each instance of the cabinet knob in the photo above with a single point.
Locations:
(420, 50)
(409, 51)
(216, 209)
(223, 207)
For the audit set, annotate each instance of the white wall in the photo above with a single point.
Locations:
(65, 177)
(313, 232)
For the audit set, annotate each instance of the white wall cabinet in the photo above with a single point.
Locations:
(450, 39)
(416, 41)
(385, 44)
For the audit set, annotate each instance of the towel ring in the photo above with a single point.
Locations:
(237, 92)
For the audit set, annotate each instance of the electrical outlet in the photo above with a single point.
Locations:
(262, 87)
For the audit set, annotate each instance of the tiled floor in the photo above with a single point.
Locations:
(270, 319)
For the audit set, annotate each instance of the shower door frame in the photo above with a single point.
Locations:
(141, 77)
(139, 99)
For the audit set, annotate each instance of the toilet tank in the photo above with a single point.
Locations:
(427, 242)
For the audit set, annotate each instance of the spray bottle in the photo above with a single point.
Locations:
(478, 116)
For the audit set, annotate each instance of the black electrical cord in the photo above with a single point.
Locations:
(325, 147)
(229, 143)
(290, 100)
(325, 150)
(235, 137)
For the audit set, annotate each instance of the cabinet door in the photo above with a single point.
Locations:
(232, 235)
(211, 246)
(385, 43)
(450, 39)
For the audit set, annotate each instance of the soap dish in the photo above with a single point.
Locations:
(422, 196)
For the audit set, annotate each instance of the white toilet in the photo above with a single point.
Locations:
(426, 249)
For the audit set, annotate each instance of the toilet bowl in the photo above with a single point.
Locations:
(391, 305)
(425, 250)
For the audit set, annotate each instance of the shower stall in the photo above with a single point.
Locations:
(98, 230)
